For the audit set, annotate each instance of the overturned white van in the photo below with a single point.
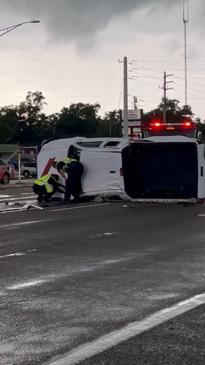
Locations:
(152, 169)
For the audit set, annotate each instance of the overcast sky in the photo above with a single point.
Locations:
(72, 55)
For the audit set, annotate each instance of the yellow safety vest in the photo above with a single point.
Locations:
(43, 181)
(68, 160)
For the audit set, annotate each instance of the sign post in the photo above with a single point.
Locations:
(19, 167)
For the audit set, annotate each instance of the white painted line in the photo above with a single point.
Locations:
(201, 215)
(79, 207)
(17, 254)
(134, 329)
(4, 196)
(15, 209)
(106, 234)
(26, 194)
(3, 226)
(20, 198)
(26, 284)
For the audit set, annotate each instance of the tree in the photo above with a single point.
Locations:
(32, 106)
(31, 117)
(8, 124)
(173, 111)
(110, 125)
(53, 121)
(78, 120)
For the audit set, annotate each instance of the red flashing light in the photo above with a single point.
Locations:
(188, 124)
(157, 124)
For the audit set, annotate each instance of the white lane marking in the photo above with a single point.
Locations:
(16, 254)
(12, 211)
(4, 196)
(201, 215)
(106, 234)
(79, 207)
(3, 199)
(26, 194)
(52, 277)
(4, 226)
(99, 265)
(134, 329)
(26, 284)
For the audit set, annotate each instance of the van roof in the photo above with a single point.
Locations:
(82, 142)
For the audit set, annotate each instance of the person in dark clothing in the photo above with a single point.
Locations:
(71, 169)
(73, 183)
(46, 186)
(73, 152)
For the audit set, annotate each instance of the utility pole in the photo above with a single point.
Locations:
(125, 122)
(165, 88)
(185, 21)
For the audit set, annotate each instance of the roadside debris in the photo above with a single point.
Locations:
(18, 206)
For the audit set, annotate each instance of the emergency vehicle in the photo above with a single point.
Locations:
(169, 168)
(156, 127)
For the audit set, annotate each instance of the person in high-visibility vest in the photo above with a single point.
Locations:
(46, 186)
(62, 165)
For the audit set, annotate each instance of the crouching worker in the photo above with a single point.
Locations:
(46, 186)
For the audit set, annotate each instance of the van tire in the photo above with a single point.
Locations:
(26, 174)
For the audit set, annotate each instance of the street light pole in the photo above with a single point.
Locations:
(185, 21)
(6, 30)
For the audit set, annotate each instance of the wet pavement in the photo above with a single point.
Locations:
(72, 274)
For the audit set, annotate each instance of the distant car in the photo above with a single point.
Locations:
(29, 169)
(14, 161)
(6, 172)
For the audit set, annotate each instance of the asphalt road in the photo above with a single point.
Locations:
(71, 275)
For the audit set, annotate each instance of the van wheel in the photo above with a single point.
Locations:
(26, 174)
(6, 179)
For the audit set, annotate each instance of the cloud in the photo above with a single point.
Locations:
(78, 20)
(172, 45)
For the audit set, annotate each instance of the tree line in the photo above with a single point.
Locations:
(27, 123)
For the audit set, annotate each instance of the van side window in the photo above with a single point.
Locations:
(111, 144)
(93, 144)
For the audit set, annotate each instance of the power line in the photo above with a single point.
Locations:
(144, 82)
